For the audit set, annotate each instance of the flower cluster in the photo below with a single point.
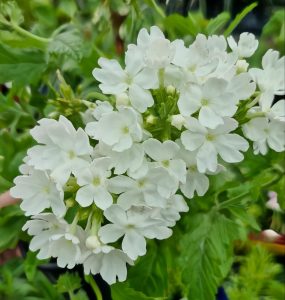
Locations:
(176, 115)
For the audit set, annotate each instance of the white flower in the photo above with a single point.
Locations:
(133, 80)
(63, 149)
(42, 227)
(177, 121)
(152, 188)
(128, 160)
(109, 262)
(171, 212)
(164, 153)
(270, 80)
(134, 226)
(93, 182)
(119, 129)
(213, 101)
(265, 133)
(210, 143)
(241, 86)
(272, 202)
(246, 45)
(102, 107)
(273, 112)
(66, 248)
(38, 191)
(153, 49)
(195, 181)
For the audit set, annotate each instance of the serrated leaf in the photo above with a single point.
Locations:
(206, 253)
(216, 25)
(20, 67)
(121, 291)
(80, 295)
(68, 282)
(68, 43)
(11, 12)
(153, 266)
(239, 17)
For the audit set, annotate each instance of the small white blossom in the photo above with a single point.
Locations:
(270, 80)
(63, 149)
(265, 133)
(42, 227)
(212, 100)
(119, 129)
(109, 262)
(164, 154)
(93, 182)
(210, 143)
(38, 192)
(134, 226)
(134, 80)
(153, 49)
(246, 45)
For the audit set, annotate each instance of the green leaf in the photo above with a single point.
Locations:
(217, 24)
(182, 26)
(11, 12)
(154, 267)
(80, 295)
(11, 223)
(30, 265)
(20, 67)
(67, 43)
(257, 277)
(121, 291)
(206, 253)
(239, 17)
(68, 282)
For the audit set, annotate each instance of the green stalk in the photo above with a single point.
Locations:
(89, 279)
(29, 34)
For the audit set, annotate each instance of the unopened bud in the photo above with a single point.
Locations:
(92, 242)
(177, 121)
(170, 89)
(242, 66)
(122, 100)
(151, 119)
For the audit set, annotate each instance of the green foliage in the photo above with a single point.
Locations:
(11, 222)
(121, 291)
(256, 278)
(216, 25)
(67, 43)
(274, 30)
(71, 283)
(206, 254)
(15, 285)
(21, 67)
(239, 17)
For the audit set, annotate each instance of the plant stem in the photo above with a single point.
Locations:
(28, 34)
(89, 279)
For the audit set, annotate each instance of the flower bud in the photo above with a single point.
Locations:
(92, 242)
(242, 66)
(122, 100)
(151, 119)
(177, 121)
(170, 89)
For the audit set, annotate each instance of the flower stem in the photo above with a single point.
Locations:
(29, 34)
(89, 279)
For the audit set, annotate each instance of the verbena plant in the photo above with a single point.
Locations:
(179, 129)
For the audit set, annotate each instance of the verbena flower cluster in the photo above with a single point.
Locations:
(176, 116)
